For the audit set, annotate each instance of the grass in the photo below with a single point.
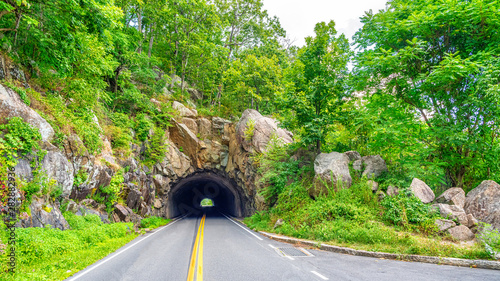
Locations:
(354, 218)
(52, 254)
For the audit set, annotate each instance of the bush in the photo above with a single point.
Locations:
(490, 238)
(408, 211)
(153, 222)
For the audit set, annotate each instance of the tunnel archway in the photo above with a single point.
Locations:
(187, 193)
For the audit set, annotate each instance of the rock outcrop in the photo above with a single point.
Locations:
(483, 202)
(43, 214)
(452, 196)
(56, 166)
(11, 105)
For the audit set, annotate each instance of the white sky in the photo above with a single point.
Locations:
(298, 17)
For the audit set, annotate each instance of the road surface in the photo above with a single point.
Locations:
(214, 247)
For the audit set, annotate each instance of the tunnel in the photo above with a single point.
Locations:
(187, 193)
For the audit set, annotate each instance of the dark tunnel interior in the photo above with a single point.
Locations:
(186, 195)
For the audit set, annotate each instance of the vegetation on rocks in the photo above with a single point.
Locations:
(103, 77)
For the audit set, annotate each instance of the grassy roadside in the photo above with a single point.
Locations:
(354, 218)
(52, 254)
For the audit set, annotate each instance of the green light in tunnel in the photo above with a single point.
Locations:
(206, 202)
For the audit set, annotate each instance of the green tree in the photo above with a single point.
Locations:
(441, 59)
(317, 84)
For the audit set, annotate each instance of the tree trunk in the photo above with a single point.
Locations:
(139, 28)
(151, 39)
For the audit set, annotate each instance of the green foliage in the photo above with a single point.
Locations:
(142, 126)
(409, 212)
(110, 194)
(80, 177)
(276, 168)
(52, 254)
(317, 84)
(156, 147)
(153, 222)
(249, 129)
(490, 238)
(206, 202)
(19, 137)
(20, 91)
(436, 62)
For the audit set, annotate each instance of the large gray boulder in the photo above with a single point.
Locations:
(44, 213)
(56, 166)
(11, 105)
(264, 129)
(374, 166)
(444, 224)
(483, 202)
(331, 170)
(461, 233)
(453, 212)
(422, 191)
(452, 196)
(353, 155)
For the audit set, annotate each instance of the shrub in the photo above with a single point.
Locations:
(153, 222)
(490, 238)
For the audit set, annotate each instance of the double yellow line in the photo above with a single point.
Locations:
(197, 253)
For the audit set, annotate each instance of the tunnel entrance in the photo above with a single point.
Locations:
(186, 195)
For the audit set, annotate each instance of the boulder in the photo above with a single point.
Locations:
(183, 110)
(471, 221)
(374, 166)
(358, 165)
(161, 184)
(204, 128)
(373, 185)
(422, 191)
(483, 202)
(134, 199)
(183, 138)
(125, 214)
(11, 105)
(353, 155)
(392, 191)
(264, 129)
(191, 124)
(157, 204)
(452, 212)
(57, 167)
(76, 152)
(175, 163)
(461, 233)
(452, 196)
(23, 170)
(44, 213)
(331, 169)
(194, 94)
(444, 225)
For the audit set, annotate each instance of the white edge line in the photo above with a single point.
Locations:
(319, 275)
(117, 253)
(290, 258)
(244, 228)
(271, 246)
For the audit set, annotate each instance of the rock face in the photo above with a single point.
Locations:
(461, 233)
(453, 212)
(183, 111)
(331, 169)
(483, 202)
(375, 166)
(452, 196)
(422, 191)
(443, 225)
(11, 105)
(264, 129)
(44, 213)
(57, 167)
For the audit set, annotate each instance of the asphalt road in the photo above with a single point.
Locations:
(226, 250)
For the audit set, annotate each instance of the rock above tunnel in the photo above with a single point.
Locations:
(483, 202)
(331, 170)
(11, 105)
(264, 128)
